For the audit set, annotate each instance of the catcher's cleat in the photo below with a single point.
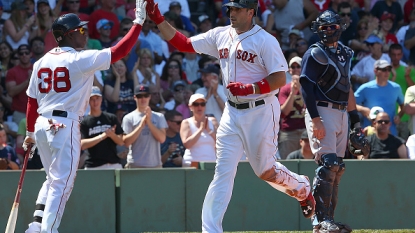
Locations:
(328, 227)
(344, 228)
(308, 205)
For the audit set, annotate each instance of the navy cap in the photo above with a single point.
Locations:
(141, 89)
(178, 83)
(211, 68)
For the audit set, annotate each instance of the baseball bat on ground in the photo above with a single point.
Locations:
(11, 223)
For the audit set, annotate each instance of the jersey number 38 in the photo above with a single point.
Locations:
(57, 79)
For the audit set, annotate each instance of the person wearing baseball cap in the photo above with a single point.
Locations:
(380, 92)
(213, 91)
(305, 151)
(104, 27)
(101, 133)
(369, 130)
(362, 72)
(145, 130)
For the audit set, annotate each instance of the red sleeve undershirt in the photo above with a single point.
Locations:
(31, 114)
(182, 43)
(124, 46)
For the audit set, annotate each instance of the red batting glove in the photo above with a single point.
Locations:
(153, 12)
(240, 89)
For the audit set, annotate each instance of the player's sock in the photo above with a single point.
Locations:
(38, 215)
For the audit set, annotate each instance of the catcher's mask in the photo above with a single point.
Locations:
(328, 26)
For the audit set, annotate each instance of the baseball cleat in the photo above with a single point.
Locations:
(308, 205)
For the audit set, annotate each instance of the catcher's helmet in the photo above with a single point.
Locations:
(251, 4)
(328, 26)
(65, 23)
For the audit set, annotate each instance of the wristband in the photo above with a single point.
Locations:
(263, 86)
(30, 134)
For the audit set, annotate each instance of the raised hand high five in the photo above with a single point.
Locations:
(153, 12)
(140, 12)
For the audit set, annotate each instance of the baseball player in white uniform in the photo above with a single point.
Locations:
(253, 69)
(59, 91)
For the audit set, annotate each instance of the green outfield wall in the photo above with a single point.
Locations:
(373, 195)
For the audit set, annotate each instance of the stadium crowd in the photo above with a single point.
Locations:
(166, 105)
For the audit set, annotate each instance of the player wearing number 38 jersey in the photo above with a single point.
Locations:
(59, 91)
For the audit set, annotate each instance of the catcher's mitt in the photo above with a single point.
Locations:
(3, 164)
(358, 144)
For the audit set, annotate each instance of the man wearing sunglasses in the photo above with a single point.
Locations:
(381, 92)
(59, 89)
(327, 92)
(17, 81)
(253, 69)
(383, 144)
(145, 130)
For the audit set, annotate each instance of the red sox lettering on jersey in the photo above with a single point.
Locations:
(240, 54)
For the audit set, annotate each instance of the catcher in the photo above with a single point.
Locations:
(325, 83)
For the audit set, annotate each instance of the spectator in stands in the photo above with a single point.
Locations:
(17, 81)
(380, 92)
(383, 144)
(171, 73)
(101, 133)
(45, 19)
(405, 77)
(125, 26)
(301, 45)
(409, 38)
(198, 134)
(176, 8)
(145, 131)
(292, 122)
(205, 24)
(305, 151)
(409, 107)
(388, 38)
(91, 43)
(38, 48)
(389, 6)
(165, 4)
(104, 27)
(190, 66)
(369, 130)
(106, 11)
(400, 35)
(7, 152)
(73, 6)
(18, 28)
(362, 72)
(178, 90)
(172, 150)
(212, 91)
(119, 88)
(294, 68)
(152, 38)
(145, 71)
(2, 21)
(9, 127)
(288, 15)
(7, 59)
(157, 101)
(410, 144)
(350, 17)
(358, 44)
